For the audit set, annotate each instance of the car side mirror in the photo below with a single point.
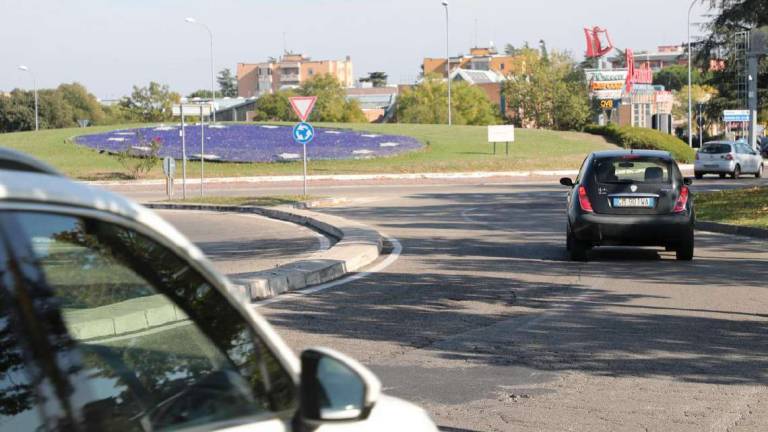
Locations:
(335, 388)
(687, 181)
(566, 181)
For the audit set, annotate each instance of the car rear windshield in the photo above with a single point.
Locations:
(633, 169)
(716, 148)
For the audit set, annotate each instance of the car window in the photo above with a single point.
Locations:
(159, 346)
(716, 148)
(18, 399)
(583, 169)
(632, 170)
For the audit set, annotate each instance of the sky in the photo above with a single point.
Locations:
(111, 45)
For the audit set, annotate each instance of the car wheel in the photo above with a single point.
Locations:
(684, 250)
(759, 172)
(577, 249)
(722, 175)
(736, 172)
(698, 175)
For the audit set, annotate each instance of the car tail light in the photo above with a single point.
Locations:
(682, 200)
(729, 157)
(584, 200)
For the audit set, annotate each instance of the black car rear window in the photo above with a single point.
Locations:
(716, 148)
(633, 169)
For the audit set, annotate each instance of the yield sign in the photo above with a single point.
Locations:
(302, 105)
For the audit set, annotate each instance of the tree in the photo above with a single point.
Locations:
(84, 105)
(549, 94)
(152, 103)
(201, 93)
(427, 103)
(274, 107)
(543, 50)
(674, 77)
(510, 50)
(227, 83)
(699, 93)
(332, 104)
(377, 79)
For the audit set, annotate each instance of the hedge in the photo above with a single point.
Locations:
(643, 138)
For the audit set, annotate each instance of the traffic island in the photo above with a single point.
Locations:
(357, 247)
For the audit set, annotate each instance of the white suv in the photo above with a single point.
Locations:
(111, 320)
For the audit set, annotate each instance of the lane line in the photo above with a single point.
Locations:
(397, 249)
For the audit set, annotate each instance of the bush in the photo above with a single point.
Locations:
(140, 160)
(643, 138)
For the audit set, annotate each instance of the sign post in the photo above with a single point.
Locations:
(192, 110)
(505, 134)
(303, 132)
(169, 169)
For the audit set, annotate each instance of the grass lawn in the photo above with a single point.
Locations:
(447, 149)
(260, 201)
(737, 207)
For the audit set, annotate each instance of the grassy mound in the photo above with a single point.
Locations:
(643, 138)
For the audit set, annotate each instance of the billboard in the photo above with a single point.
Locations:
(606, 84)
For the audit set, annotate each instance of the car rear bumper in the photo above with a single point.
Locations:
(632, 230)
(704, 167)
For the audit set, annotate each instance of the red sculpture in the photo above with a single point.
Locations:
(598, 42)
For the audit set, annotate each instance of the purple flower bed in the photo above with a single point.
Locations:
(253, 143)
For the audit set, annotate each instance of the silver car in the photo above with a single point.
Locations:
(732, 158)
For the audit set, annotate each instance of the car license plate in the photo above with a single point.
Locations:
(634, 202)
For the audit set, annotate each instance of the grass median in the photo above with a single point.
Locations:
(747, 207)
(259, 201)
(446, 149)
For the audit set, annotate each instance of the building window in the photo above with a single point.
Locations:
(311, 71)
(502, 66)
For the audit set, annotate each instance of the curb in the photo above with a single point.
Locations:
(358, 246)
(739, 230)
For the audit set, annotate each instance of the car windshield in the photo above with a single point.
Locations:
(716, 148)
(632, 170)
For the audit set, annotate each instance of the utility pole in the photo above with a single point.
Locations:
(447, 60)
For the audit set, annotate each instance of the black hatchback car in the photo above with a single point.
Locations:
(629, 198)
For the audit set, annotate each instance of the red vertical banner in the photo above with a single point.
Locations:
(630, 69)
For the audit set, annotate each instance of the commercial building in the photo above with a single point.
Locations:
(479, 59)
(289, 71)
(377, 103)
(661, 57)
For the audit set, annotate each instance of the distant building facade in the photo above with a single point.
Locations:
(479, 59)
(289, 71)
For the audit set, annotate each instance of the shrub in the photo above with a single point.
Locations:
(139, 162)
(643, 138)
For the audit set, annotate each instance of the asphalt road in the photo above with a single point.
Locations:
(240, 244)
(484, 322)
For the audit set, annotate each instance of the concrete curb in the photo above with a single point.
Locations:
(358, 246)
(739, 230)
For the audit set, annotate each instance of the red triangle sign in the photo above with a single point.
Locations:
(303, 105)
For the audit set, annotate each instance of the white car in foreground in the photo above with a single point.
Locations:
(111, 320)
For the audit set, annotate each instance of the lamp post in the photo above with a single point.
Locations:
(213, 89)
(34, 82)
(690, 103)
(447, 60)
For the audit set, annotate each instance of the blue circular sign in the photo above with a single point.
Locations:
(303, 133)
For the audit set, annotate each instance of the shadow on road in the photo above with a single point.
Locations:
(478, 268)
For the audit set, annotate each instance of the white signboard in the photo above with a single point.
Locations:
(736, 115)
(501, 133)
(191, 109)
(606, 84)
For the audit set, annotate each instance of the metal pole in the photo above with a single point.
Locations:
(183, 157)
(37, 119)
(690, 103)
(202, 150)
(304, 146)
(752, 71)
(447, 61)
(213, 88)
(701, 124)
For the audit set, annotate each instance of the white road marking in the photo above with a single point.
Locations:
(397, 248)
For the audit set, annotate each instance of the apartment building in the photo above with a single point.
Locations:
(480, 59)
(289, 71)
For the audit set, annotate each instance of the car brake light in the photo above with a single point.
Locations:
(682, 200)
(584, 200)
(729, 157)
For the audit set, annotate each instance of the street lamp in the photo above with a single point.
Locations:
(690, 103)
(447, 61)
(34, 81)
(213, 89)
